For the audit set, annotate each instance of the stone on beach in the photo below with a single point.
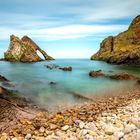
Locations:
(65, 128)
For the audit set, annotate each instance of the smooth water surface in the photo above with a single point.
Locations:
(32, 80)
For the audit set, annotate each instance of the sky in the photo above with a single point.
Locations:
(65, 28)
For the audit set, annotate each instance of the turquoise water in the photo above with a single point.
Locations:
(32, 81)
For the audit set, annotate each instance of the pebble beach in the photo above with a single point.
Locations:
(109, 118)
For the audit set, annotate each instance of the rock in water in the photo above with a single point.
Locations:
(123, 48)
(24, 50)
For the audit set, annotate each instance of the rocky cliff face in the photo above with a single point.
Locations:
(24, 50)
(123, 48)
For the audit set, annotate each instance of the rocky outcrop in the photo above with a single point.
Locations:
(123, 48)
(115, 76)
(24, 50)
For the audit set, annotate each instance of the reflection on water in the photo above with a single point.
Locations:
(32, 80)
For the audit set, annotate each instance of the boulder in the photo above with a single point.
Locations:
(97, 73)
(24, 50)
(123, 48)
(52, 83)
(66, 68)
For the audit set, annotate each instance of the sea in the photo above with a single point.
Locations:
(32, 80)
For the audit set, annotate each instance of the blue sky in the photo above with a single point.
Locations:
(65, 28)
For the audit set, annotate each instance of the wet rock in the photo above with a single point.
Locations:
(52, 83)
(66, 68)
(52, 66)
(3, 79)
(96, 74)
(7, 84)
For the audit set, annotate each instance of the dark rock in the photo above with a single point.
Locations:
(52, 83)
(3, 79)
(138, 82)
(2, 59)
(123, 48)
(96, 73)
(53, 66)
(67, 69)
(7, 84)
(24, 50)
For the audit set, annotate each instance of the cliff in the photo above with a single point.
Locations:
(123, 48)
(24, 50)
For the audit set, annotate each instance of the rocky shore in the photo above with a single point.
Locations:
(107, 118)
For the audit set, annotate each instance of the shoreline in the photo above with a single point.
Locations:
(72, 120)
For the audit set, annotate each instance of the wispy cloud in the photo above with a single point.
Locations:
(61, 19)
(64, 32)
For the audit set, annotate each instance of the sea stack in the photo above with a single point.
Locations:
(24, 50)
(123, 48)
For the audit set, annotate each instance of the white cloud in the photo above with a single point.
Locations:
(64, 32)
(36, 13)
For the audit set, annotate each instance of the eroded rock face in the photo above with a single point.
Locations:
(123, 48)
(24, 50)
